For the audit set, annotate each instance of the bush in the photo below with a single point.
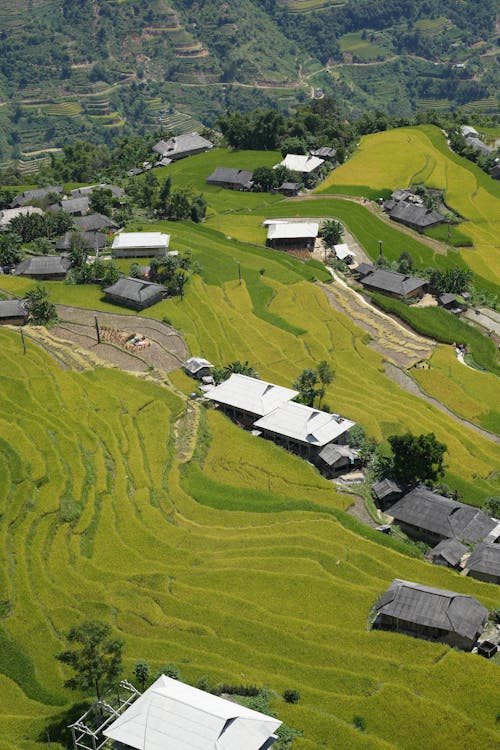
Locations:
(291, 696)
(360, 723)
(170, 670)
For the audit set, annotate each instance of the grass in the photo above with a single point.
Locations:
(451, 235)
(362, 49)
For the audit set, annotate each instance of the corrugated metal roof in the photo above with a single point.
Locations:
(195, 364)
(154, 240)
(301, 163)
(342, 251)
(485, 559)
(431, 607)
(332, 453)
(293, 230)
(250, 394)
(171, 715)
(304, 424)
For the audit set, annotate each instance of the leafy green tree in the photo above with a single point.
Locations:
(180, 281)
(306, 385)
(110, 275)
(265, 179)
(165, 192)
(453, 280)
(41, 311)
(326, 374)
(492, 506)
(42, 246)
(417, 458)
(10, 249)
(95, 658)
(331, 232)
(293, 145)
(405, 263)
(101, 201)
(170, 670)
(142, 673)
(178, 206)
(135, 271)
(290, 695)
(198, 208)
(237, 367)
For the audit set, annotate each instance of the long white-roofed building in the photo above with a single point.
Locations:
(171, 715)
(249, 398)
(301, 163)
(140, 244)
(292, 234)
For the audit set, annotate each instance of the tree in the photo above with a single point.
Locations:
(306, 385)
(10, 249)
(95, 657)
(41, 311)
(331, 232)
(492, 506)
(326, 374)
(417, 458)
(265, 179)
(101, 201)
(142, 672)
(237, 367)
(405, 263)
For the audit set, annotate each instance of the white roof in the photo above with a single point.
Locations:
(8, 214)
(300, 163)
(305, 424)
(140, 239)
(291, 230)
(171, 715)
(342, 251)
(250, 394)
(468, 130)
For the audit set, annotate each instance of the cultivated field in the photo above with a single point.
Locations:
(228, 577)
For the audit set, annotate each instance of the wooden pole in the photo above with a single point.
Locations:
(97, 330)
(24, 342)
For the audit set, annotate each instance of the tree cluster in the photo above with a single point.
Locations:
(32, 226)
(220, 374)
(312, 384)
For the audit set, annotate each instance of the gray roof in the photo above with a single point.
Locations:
(332, 453)
(22, 199)
(180, 144)
(364, 269)
(447, 299)
(116, 191)
(13, 308)
(450, 550)
(43, 265)
(325, 152)
(434, 608)
(289, 186)
(390, 281)
(443, 516)
(78, 205)
(94, 222)
(93, 240)
(135, 290)
(478, 144)
(233, 176)
(195, 364)
(485, 559)
(385, 487)
(419, 216)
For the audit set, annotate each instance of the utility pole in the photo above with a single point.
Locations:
(97, 330)
(24, 342)
(380, 248)
(239, 270)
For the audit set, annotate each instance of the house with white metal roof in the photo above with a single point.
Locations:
(292, 234)
(171, 715)
(140, 244)
(301, 163)
(303, 428)
(243, 396)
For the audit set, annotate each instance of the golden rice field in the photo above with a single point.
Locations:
(397, 158)
(99, 519)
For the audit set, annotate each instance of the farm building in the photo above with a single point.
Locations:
(342, 252)
(291, 235)
(198, 368)
(13, 312)
(301, 163)
(181, 146)
(8, 214)
(140, 244)
(484, 563)
(39, 194)
(389, 282)
(249, 398)
(44, 267)
(116, 192)
(94, 241)
(386, 492)
(333, 459)
(325, 152)
(448, 553)
(94, 223)
(450, 302)
(73, 206)
(302, 428)
(173, 715)
(288, 188)
(431, 613)
(424, 515)
(134, 293)
(232, 179)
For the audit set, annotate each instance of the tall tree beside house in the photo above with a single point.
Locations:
(417, 458)
(101, 201)
(306, 384)
(326, 374)
(331, 233)
(237, 367)
(142, 673)
(265, 179)
(41, 311)
(10, 249)
(95, 658)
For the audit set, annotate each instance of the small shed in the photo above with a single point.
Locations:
(288, 188)
(333, 459)
(448, 553)
(386, 492)
(13, 312)
(488, 649)
(343, 252)
(484, 563)
(450, 302)
(134, 293)
(198, 367)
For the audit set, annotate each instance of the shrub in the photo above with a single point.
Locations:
(291, 696)
(360, 723)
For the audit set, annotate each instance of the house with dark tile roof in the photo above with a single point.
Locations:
(393, 284)
(134, 293)
(13, 312)
(484, 563)
(39, 194)
(231, 179)
(181, 146)
(44, 267)
(94, 223)
(386, 492)
(449, 553)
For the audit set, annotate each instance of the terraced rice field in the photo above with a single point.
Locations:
(253, 575)
(398, 158)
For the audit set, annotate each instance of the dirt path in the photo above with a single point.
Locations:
(358, 510)
(406, 382)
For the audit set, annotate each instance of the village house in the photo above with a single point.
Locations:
(134, 293)
(450, 302)
(428, 517)
(333, 459)
(248, 399)
(301, 163)
(8, 214)
(176, 716)
(94, 241)
(291, 235)
(198, 368)
(342, 252)
(231, 179)
(44, 267)
(431, 613)
(484, 563)
(303, 429)
(94, 223)
(325, 152)
(409, 209)
(140, 244)
(181, 146)
(385, 493)
(288, 188)
(72, 206)
(116, 192)
(448, 553)
(13, 312)
(393, 284)
(39, 194)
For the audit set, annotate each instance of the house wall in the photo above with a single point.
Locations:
(387, 622)
(292, 244)
(487, 577)
(19, 321)
(227, 185)
(130, 303)
(46, 277)
(183, 154)
(422, 535)
(137, 252)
